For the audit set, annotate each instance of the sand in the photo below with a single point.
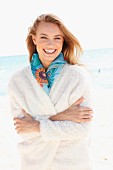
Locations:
(102, 133)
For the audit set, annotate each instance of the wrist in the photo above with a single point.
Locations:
(37, 125)
(57, 117)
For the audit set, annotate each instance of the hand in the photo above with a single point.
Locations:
(26, 124)
(75, 113)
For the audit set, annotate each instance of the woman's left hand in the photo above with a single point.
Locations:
(26, 124)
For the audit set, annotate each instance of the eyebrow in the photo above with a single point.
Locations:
(55, 35)
(43, 34)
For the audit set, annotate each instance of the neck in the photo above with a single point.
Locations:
(46, 64)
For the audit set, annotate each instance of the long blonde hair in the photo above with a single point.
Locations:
(71, 46)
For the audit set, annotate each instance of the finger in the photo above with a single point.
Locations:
(19, 130)
(84, 116)
(79, 101)
(85, 120)
(26, 114)
(85, 109)
(82, 120)
(17, 124)
(87, 116)
(20, 124)
(20, 121)
(17, 119)
(80, 112)
(23, 130)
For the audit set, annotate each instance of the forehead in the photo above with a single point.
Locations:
(48, 28)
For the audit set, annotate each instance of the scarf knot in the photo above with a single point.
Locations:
(43, 77)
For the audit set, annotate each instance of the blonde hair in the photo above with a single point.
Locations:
(71, 46)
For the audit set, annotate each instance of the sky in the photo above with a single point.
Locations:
(89, 20)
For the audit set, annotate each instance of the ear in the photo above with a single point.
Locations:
(33, 38)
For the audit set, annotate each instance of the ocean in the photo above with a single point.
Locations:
(98, 61)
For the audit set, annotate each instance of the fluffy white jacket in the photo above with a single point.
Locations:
(60, 145)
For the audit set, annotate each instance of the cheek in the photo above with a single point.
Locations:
(59, 44)
(40, 42)
(40, 45)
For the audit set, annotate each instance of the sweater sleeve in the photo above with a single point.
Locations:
(63, 130)
(16, 111)
(68, 130)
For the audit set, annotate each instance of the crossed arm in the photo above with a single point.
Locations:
(74, 113)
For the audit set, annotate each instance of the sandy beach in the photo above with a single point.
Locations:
(102, 133)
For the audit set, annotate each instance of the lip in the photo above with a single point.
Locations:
(47, 51)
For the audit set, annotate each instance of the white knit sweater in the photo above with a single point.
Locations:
(60, 145)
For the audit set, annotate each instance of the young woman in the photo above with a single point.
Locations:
(51, 100)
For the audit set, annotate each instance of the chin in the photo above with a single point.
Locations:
(50, 58)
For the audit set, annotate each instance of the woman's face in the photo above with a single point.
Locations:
(48, 41)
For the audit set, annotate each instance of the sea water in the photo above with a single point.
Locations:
(98, 61)
(8, 66)
(100, 64)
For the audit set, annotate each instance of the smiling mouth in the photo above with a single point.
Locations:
(49, 51)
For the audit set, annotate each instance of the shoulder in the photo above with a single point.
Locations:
(79, 72)
(18, 75)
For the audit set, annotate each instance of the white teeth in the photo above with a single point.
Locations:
(49, 51)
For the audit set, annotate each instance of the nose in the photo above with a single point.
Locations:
(50, 42)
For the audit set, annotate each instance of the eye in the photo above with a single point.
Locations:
(57, 38)
(43, 37)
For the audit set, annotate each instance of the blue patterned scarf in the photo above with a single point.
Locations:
(43, 77)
